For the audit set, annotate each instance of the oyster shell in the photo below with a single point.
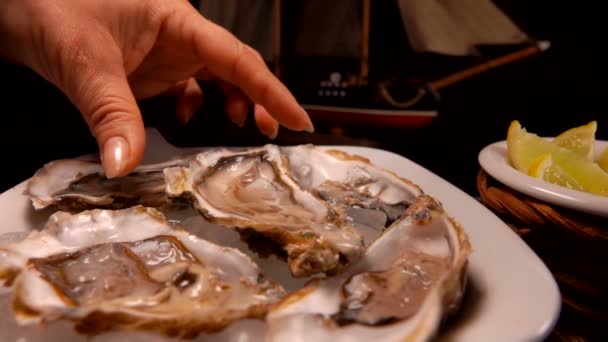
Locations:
(74, 184)
(350, 181)
(254, 189)
(407, 281)
(130, 269)
(372, 197)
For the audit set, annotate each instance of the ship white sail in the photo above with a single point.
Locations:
(456, 27)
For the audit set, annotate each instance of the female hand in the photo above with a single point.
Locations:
(105, 54)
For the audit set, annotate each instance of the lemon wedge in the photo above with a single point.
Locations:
(603, 160)
(544, 168)
(579, 139)
(539, 166)
(527, 153)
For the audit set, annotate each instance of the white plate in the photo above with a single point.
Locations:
(493, 159)
(512, 296)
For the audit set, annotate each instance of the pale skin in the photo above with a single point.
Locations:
(106, 54)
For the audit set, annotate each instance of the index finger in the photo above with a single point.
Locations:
(231, 60)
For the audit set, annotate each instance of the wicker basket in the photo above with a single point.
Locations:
(573, 245)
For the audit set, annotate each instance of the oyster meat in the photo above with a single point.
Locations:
(409, 279)
(74, 184)
(373, 197)
(130, 269)
(350, 181)
(254, 189)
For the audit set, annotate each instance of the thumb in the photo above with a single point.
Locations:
(106, 101)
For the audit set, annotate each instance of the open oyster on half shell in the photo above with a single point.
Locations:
(75, 184)
(350, 181)
(254, 189)
(410, 278)
(131, 270)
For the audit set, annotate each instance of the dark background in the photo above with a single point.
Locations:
(547, 93)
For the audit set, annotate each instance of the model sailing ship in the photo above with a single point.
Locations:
(321, 50)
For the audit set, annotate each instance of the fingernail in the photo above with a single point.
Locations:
(239, 123)
(237, 119)
(274, 133)
(184, 115)
(308, 126)
(115, 154)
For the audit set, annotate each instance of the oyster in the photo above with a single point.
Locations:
(130, 269)
(372, 197)
(350, 181)
(74, 184)
(411, 277)
(254, 189)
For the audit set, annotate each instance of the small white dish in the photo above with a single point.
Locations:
(511, 295)
(493, 159)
